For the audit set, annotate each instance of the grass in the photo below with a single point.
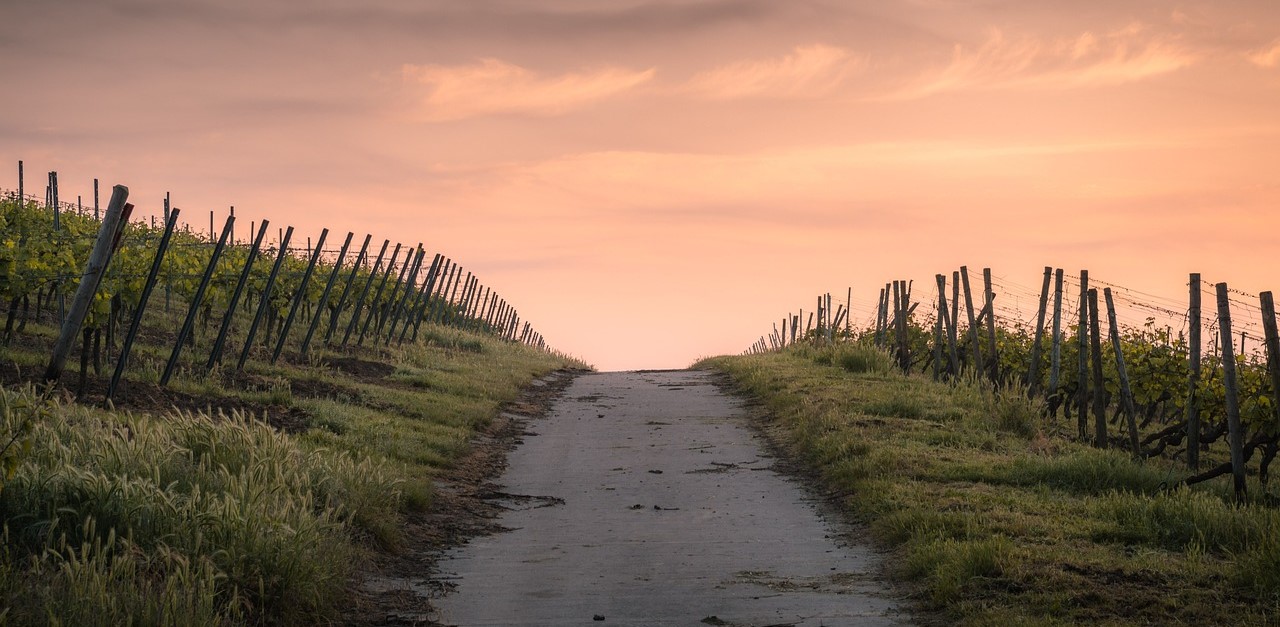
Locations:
(195, 518)
(995, 518)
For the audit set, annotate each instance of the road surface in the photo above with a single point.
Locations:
(645, 499)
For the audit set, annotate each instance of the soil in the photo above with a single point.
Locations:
(394, 589)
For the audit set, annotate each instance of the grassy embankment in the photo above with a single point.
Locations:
(178, 518)
(995, 517)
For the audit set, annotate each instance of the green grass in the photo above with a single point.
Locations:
(994, 518)
(186, 518)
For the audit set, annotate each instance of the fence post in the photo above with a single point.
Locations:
(1272, 342)
(1055, 356)
(1126, 392)
(265, 300)
(1235, 430)
(410, 289)
(215, 355)
(420, 307)
(324, 296)
(1193, 378)
(301, 294)
(346, 289)
(1099, 396)
(1033, 373)
(364, 292)
(134, 324)
(102, 248)
(382, 286)
(1082, 338)
(195, 303)
(972, 331)
(990, 297)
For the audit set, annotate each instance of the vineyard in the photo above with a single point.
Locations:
(1139, 387)
(1070, 452)
(237, 301)
(252, 423)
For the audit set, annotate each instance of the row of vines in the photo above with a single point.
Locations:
(1191, 396)
(212, 300)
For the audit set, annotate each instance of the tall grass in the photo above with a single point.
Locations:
(207, 520)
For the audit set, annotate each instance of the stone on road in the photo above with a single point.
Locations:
(645, 499)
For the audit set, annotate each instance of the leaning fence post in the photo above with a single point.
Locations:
(195, 303)
(1272, 342)
(1033, 373)
(98, 260)
(301, 294)
(265, 300)
(990, 298)
(1055, 356)
(346, 289)
(972, 331)
(215, 355)
(324, 296)
(1235, 431)
(134, 324)
(1126, 392)
(373, 306)
(364, 292)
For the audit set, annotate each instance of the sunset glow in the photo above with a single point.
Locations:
(650, 182)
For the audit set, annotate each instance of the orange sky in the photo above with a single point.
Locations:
(649, 182)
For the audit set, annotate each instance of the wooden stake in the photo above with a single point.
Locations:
(98, 260)
(1235, 430)
(1126, 393)
(1193, 377)
(1099, 392)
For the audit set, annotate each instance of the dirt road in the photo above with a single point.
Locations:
(643, 498)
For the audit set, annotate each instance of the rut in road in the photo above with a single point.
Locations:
(643, 498)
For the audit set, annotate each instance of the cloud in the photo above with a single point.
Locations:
(807, 72)
(492, 86)
(1267, 57)
(1087, 60)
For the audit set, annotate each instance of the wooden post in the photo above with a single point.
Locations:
(215, 355)
(1055, 356)
(848, 319)
(1099, 392)
(1082, 338)
(1193, 378)
(1126, 392)
(97, 215)
(1235, 430)
(299, 295)
(364, 292)
(346, 289)
(382, 285)
(945, 314)
(141, 308)
(990, 305)
(1033, 371)
(98, 260)
(265, 301)
(420, 303)
(410, 290)
(1272, 341)
(324, 296)
(22, 192)
(973, 324)
(937, 333)
(194, 309)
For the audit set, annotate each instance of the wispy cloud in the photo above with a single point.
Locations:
(807, 72)
(493, 86)
(1087, 60)
(1266, 57)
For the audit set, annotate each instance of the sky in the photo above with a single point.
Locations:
(652, 182)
